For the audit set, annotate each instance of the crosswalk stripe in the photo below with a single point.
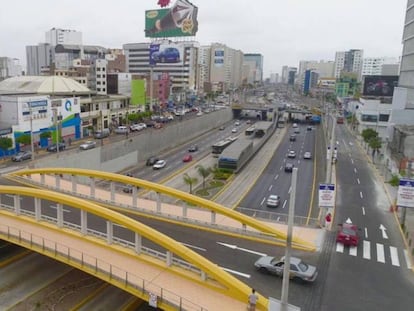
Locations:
(407, 259)
(380, 253)
(367, 250)
(394, 256)
(339, 247)
(353, 250)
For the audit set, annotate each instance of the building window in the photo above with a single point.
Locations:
(97, 107)
(369, 118)
(384, 117)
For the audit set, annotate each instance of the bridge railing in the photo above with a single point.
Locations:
(95, 266)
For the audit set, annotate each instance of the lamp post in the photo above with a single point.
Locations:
(31, 132)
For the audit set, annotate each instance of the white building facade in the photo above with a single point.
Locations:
(57, 36)
(348, 61)
(373, 66)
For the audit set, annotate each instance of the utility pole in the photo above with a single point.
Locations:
(286, 266)
(31, 132)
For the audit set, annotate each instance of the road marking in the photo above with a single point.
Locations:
(366, 233)
(270, 188)
(278, 218)
(353, 250)
(290, 189)
(394, 256)
(261, 203)
(363, 211)
(281, 167)
(355, 170)
(195, 247)
(367, 249)
(339, 247)
(232, 246)
(352, 161)
(298, 161)
(247, 276)
(360, 194)
(407, 259)
(277, 176)
(380, 253)
(358, 181)
(284, 204)
(384, 234)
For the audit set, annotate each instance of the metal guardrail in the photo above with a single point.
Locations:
(58, 250)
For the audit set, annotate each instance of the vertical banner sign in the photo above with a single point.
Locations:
(326, 195)
(405, 194)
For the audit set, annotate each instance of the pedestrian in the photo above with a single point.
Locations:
(252, 300)
(328, 219)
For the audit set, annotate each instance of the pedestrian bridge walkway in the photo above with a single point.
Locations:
(111, 246)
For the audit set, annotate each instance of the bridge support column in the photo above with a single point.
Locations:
(84, 222)
(213, 217)
(134, 196)
(16, 200)
(92, 181)
(138, 243)
(158, 203)
(203, 276)
(59, 211)
(169, 258)
(185, 211)
(74, 183)
(57, 181)
(42, 178)
(109, 232)
(112, 191)
(38, 211)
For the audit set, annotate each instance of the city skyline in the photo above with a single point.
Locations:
(284, 33)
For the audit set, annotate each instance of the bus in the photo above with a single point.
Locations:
(218, 147)
(250, 131)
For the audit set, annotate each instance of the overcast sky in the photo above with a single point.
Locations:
(283, 31)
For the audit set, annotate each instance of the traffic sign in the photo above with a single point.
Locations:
(326, 195)
(405, 194)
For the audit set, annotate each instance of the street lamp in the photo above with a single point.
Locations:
(31, 132)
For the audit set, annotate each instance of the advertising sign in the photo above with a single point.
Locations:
(405, 194)
(379, 85)
(166, 54)
(178, 21)
(326, 195)
(219, 58)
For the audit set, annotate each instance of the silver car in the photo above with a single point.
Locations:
(273, 200)
(21, 156)
(299, 270)
(89, 144)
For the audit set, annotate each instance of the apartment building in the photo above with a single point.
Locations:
(349, 61)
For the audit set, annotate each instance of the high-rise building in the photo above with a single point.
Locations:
(373, 66)
(257, 71)
(348, 61)
(38, 58)
(203, 63)
(285, 74)
(57, 36)
(9, 67)
(310, 80)
(325, 69)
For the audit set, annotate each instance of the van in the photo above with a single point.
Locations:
(102, 134)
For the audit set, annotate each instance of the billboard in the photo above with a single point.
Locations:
(218, 58)
(180, 20)
(379, 85)
(166, 54)
(138, 92)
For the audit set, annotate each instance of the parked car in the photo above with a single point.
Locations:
(21, 156)
(348, 234)
(299, 270)
(89, 144)
(188, 158)
(159, 164)
(102, 134)
(273, 200)
(292, 154)
(307, 155)
(53, 147)
(289, 167)
(121, 130)
(168, 55)
(152, 160)
(193, 148)
(136, 127)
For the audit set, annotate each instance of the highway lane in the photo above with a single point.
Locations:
(374, 275)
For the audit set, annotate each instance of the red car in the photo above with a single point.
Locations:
(188, 158)
(348, 234)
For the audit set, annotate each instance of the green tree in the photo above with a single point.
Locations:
(368, 134)
(47, 134)
(6, 143)
(190, 181)
(375, 144)
(24, 139)
(204, 172)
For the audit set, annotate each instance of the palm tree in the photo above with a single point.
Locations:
(204, 172)
(189, 181)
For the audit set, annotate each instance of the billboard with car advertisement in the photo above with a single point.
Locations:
(379, 85)
(180, 20)
(218, 58)
(166, 54)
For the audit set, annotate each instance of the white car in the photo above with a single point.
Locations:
(292, 154)
(159, 164)
(136, 127)
(234, 130)
(294, 125)
(273, 200)
(307, 155)
(89, 144)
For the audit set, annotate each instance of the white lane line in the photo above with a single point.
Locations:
(407, 259)
(298, 161)
(270, 188)
(278, 218)
(363, 210)
(195, 247)
(366, 233)
(281, 168)
(277, 176)
(261, 203)
(394, 256)
(247, 276)
(355, 170)
(358, 181)
(380, 253)
(339, 247)
(360, 194)
(284, 204)
(290, 189)
(352, 161)
(367, 250)
(353, 250)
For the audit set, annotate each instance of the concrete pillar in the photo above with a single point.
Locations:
(92, 181)
(59, 216)
(138, 243)
(185, 211)
(112, 187)
(213, 217)
(74, 183)
(42, 179)
(16, 200)
(84, 222)
(38, 209)
(169, 258)
(158, 203)
(203, 276)
(109, 232)
(134, 196)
